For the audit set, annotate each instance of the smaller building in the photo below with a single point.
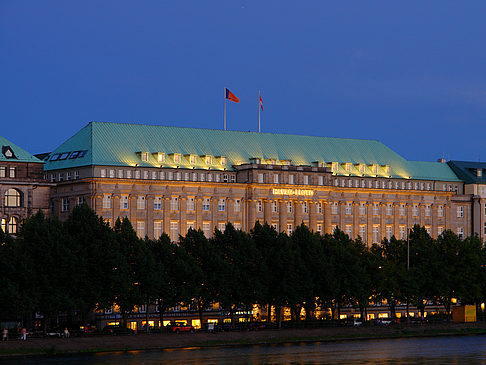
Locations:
(22, 186)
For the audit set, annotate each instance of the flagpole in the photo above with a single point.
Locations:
(259, 107)
(224, 108)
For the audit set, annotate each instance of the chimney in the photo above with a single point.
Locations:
(441, 160)
(479, 172)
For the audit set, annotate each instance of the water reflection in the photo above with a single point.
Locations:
(438, 350)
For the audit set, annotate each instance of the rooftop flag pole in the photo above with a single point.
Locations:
(260, 106)
(230, 96)
(224, 108)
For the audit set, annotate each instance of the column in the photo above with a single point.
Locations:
(396, 227)
(312, 215)
(434, 220)
(267, 212)
(182, 215)
(355, 219)
(115, 207)
(327, 217)
(166, 223)
(198, 201)
(282, 216)
(251, 214)
(149, 209)
(369, 223)
(132, 209)
(297, 213)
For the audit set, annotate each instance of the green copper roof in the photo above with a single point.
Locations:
(467, 171)
(115, 144)
(18, 153)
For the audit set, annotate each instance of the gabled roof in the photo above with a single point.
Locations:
(116, 144)
(467, 171)
(11, 152)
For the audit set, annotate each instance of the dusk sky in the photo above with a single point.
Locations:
(411, 74)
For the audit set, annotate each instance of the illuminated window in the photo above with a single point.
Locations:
(129, 174)
(223, 160)
(192, 159)
(124, 202)
(221, 205)
(348, 229)
(305, 208)
(376, 234)
(140, 202)
(460, 232)
(137, 174)
(440, 230)
(207, 229)
(237, 206)
(102, 173)
(289, 229)
(160, 157)
(334, 207)
(291, 179)
(276, 178)
(348, 208)
(319, 228)
(208, 160)
(191, 225)
(389, 209)
(12, 225)
(306, 180)
(427, 210)
(362, 232)
(429, 230)
(106, 201)
(157, 229)
(13, 198)
(144, 156)
(112, 174)
(403, 234)
(3, 224)
(177, 158)
(158, 203)
(321, 180)
(3, 171)
(237, 226)
(174, 231)
(12, 174)
(402, 210)
(191, 203)
(221, 227)
(206, 206)
(460, 212)
(261, 178)
(415, 210)
(376, 209)
(319, 207)
(174, 203)
(145, 174)
(141, 229)
(388, 232)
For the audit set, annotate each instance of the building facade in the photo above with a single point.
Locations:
(168, 179)
(22, 186)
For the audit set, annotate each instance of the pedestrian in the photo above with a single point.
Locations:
(23, 335)
(5, 334)
(66, 333)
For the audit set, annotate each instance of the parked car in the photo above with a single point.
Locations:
(383, 322)
(117, 330)
(357, 322)
(178, 327)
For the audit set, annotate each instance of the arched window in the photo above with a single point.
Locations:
(12, 225)
(13, 198)
(3, 224)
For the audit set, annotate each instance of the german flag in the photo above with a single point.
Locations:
(231, 96)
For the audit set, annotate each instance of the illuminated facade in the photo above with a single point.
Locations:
(23, 189)
(167, 179)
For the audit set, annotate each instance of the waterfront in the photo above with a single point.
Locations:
(431, 350)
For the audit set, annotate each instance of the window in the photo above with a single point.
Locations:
(3, 171)
(429, 230)
(402, 210)
(460, 232)
(223, 160)
(348, 208)
(141, 229)
(129, 174)
(376, 234)
(174, 203)
(362, 209)
(160, 157)
(427, 210)
(440, 230)
(289, 229)
(291, 179)
(259, 206)
(319, 208)
(216, 177)
(237, 205)
(191, 203)
(190, 225)
(3, 225)
(376, 209)
(13, 198)
(348, 229)
(225, 178)
(208, 160)
(388, 232)
(362, 232)
(102, 173)
(321, 180)
(174, 231)
(403, 234)
(334, 207)
(80, 200)
(137, 174)
(389, 209)
(274, 207)
(207, 229)
(210, 177)
(140, 202)
(206, 207)
(106, 201)
(237, 226)
(305, 208)
(76, 174)
(157, 229)
(65, 205)
(12, 172)
(69, 175)
(221, 206)
(124, 202)
(276, 178)
(233, 178)
(289, 207)
(12, 225)
(158, 204)
(144, 156)
(306, 180)
(319, 228)
(415, 210)
(154, 175)
(177, 158)
(194, 176)
(221, 227)
(261, 178)
(112, 174)
(61, 176)
(192, 159)
(460, 212)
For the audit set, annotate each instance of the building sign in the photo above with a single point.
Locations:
(301, 192)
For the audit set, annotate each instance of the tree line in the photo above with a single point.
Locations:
(82, 264)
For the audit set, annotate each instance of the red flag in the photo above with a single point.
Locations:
(231, 96)
(261, 101)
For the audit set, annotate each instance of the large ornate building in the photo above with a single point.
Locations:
(22, 186)
(167, 179)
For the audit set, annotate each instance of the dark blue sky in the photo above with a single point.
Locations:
(410, 74)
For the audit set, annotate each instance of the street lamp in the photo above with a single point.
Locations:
(408, 268)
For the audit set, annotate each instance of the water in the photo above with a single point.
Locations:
(434, 350)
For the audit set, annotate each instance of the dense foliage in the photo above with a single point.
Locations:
(82, 264)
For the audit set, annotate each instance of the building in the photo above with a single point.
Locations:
(168, 179)
(22, 186)
(474, 176)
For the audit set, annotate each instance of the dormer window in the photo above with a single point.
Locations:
(347, 166)
(285, 162)
(176, 157)
(208, 159)
(387, 169)
(143, 156)
(8, 152)
(192, 159)
(374, 168)
(160, 157)
(360, 167)
(222, 160)
(334, 166)
(317, 164)
(255, 160)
